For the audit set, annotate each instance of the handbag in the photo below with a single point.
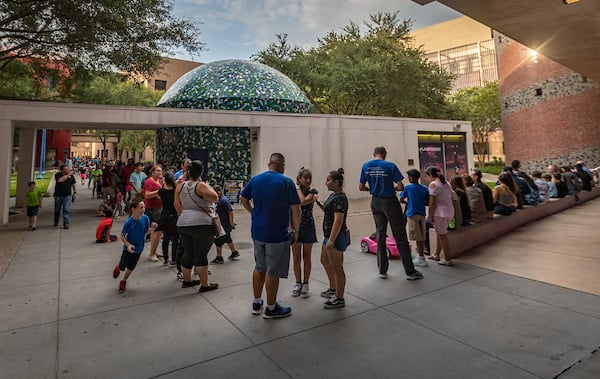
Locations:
(216, 221)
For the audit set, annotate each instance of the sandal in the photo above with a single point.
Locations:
(446, 263)
(434, 257)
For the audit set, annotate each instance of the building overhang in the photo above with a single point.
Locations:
(566, 33)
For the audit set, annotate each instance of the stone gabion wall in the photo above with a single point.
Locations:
(591, 158)
(228, 150)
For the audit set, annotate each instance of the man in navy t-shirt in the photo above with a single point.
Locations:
(273, 201)
(384, 179)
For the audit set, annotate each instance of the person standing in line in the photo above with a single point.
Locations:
(307, 234)
(384, 179)
(133, 235)
(65, 182)
(441, 211)
(416, 197)
(272, 200)
(153, 206)
(181, 175)
(225, 212)
(136, 179)
(195, 203)
(168, 219)
(336, 238)
(33, 204)
(126, 172)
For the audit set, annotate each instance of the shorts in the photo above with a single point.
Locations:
(219, 242)
(307, 236)
(416, 228)
(272, 258)
(153, 214)
(441, 224)
(128, 261)
(33, 211)
(342, 241)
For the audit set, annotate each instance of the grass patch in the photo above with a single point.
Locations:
(42, 184)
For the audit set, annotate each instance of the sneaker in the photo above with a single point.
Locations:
(190, 284)
(420, 261)
(165, 263)
(116, 272)
(122, 286)
(414, 276)
(335, 302)
(328, 293)
(180, 276)
(257, 307)
(277, 312)
(296, 289)
(172, 263)
(217, 261)
(211, 287)
(304, 291)
(153, 258)
(383, 276)
(66, 226)
(234, 254)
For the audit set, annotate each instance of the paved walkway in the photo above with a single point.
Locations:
(61, 315)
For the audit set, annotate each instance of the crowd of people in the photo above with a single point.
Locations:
(187, 214)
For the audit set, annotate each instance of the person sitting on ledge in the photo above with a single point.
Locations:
(505, 200)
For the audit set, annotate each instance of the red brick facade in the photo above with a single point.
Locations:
(549, 112)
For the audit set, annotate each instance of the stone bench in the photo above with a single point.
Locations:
(467, 237)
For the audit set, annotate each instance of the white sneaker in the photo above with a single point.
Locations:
(420, 261)
(296, 290)
(304, 291)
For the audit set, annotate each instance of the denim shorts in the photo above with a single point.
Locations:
(272, 258)
(342, 241)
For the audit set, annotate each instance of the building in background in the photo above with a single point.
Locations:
(465, 48)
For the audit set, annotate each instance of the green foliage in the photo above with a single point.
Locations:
(112, 90)
(17, 82)
(493, 169)
(100, 35)
(481, 106)
(137, 140)
(371, 72)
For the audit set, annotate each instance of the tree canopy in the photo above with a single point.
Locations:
(481, 106)
(96, 35)
(371, 72)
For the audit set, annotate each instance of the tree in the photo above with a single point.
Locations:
(99, 35)
(111, 89)
(481, 106)
(137, 141)
(375, 72)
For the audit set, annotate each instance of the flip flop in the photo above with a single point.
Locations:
(434, 257)
(446, 263)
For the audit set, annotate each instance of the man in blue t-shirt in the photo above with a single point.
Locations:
(384, 179)
(273, 201)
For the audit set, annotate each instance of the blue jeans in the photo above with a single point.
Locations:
(62, 203)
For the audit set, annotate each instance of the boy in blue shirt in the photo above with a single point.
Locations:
(225, 213)
(416, 196)
(133, 236)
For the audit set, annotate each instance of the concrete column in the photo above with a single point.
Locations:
(26, 162)
(6, 148)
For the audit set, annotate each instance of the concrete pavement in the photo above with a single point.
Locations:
(61, 315)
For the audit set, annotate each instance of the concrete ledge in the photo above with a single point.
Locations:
(466, 238)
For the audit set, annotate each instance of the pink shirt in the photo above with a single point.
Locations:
(443, 199)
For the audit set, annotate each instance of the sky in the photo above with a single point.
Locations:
(237, 29)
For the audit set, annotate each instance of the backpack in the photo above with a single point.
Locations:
(562, 189)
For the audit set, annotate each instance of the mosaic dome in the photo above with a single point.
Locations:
(236, 85)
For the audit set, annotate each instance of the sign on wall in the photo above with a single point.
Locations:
(232, 189)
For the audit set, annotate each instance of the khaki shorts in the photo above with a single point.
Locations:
(416, 228)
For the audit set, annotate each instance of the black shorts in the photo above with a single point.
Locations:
(33, 211)
(219, 242)
(307, 236)
(153, 214)
(128, 261)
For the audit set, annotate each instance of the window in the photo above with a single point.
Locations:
(160, 85)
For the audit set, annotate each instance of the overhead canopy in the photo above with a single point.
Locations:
(566, 33)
